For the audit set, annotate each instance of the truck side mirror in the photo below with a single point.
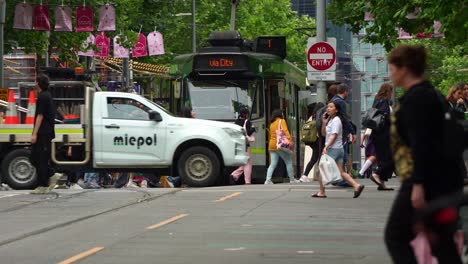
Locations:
(153, 115)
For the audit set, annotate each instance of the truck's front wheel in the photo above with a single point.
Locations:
(199, 167)
(17, 170)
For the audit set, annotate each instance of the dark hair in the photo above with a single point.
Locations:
(277, 113)
(186, 111)
(342, 88)
(318, 106)
(383, 91)
(243, 112)
(413, 57)
(338, 112)
(331, 91)
(43, 81)
(310, 109)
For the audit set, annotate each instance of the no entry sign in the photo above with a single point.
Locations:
(321, 56)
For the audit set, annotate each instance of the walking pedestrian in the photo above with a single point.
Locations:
(246, 169)
(332, 129)
(381, 139)
(278, 122)
(369, 152)
(312, 111)
(455, 99)
(417, 133)
(41, 138)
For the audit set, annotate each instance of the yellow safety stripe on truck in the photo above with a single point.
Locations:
(257, 151)
(29, 131)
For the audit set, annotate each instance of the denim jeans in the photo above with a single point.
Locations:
(286, 157)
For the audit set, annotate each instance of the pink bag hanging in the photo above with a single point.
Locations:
(155, 43)
(140, 50)
(23, 16)
(41, 18)
(63, 18)
(90, 52)
(103, 46)
(403, 34)
(106, 18)
(84, 19)
(119, 51)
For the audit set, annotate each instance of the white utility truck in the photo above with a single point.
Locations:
(127, 132)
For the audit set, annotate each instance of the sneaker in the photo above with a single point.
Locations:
(38, 190)
(131, 184)
(295, 181)
(54, 179)
(170, 183)
(144, 184)
(268, 182)
(75, 186)
(304, 179)
(81, 183)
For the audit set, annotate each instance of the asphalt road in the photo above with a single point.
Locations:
(233, 224)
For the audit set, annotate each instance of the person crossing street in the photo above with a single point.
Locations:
(41, 138)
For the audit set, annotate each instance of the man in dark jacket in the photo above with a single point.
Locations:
(41, 138)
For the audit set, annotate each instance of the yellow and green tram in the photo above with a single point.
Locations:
(231, 73)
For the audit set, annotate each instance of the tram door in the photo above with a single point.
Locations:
(275, 99)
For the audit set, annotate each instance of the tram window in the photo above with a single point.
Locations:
(256, 93)
(221, 100)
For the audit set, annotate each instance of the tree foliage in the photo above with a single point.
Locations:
(391, 15)
(254, 18)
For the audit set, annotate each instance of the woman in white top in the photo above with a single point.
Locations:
(332, 129)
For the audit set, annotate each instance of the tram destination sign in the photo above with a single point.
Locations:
(220, 62)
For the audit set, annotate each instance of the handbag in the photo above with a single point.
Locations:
(250, 138)
(329, 170)
(373, 119)
(282, 142)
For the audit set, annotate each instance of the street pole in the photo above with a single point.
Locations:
(321, 37)
(233, 14)
(125, 74)
(2, 25)
(194, 36)
(47, 55)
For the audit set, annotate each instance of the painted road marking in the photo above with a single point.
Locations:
(222, 199)
(168, 221)
(9, 195)
(81, 255)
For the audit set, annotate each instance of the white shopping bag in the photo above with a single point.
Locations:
(329, 170)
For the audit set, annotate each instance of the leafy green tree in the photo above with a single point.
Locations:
(390, 15)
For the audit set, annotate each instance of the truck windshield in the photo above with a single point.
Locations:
(221, 100)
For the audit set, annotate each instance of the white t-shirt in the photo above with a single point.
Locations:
(334, 126)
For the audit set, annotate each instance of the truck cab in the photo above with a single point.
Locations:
(127, 132)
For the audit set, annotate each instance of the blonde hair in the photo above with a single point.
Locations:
(451, 92)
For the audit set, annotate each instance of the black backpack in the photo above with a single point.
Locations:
(455, 138)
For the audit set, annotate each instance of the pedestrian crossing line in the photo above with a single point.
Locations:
(222, 199)
(168, 221)
(81, 255)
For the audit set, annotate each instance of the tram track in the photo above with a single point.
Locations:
(145, 197)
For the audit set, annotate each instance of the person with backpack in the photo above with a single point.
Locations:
(381, 139)
(310, 137)
(246, 169)
(427, 165)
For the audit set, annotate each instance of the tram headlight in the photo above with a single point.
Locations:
(233, 132)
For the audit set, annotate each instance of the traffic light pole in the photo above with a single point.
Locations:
(321, 37)
(2, 25)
